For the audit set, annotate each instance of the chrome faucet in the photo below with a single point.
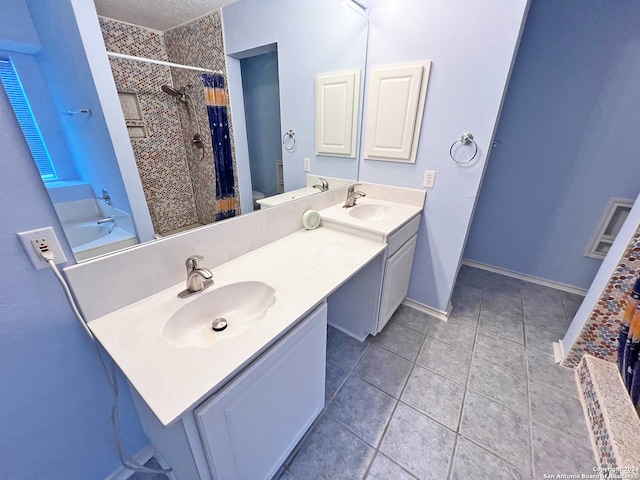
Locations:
(110, 219)
(324, 185)
(198, 278)
(353, 195)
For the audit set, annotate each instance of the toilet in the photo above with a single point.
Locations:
(257, 196)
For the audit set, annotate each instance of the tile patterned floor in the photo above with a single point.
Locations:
(478, 397)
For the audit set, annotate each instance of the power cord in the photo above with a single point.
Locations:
(126, 460)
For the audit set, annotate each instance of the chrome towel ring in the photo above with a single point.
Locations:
(464, 139)
(291, 145)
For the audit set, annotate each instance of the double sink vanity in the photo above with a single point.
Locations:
(233, 403)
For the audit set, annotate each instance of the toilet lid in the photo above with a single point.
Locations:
(257, 195)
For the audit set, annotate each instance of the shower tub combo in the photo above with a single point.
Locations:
(94, 228)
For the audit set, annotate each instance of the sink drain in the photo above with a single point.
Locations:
(219, 324)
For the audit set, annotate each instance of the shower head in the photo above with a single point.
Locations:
(172, 91)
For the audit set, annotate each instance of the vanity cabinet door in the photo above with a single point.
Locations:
(396, 280)
(249, 428)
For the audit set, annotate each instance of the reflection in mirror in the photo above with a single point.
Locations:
(172, 139)
(170, 172)
(259, 45)
(275, 50)
(51, 88)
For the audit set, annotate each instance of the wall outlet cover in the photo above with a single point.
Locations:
(32, 239)
(429, 178)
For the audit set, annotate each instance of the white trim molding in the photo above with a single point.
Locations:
(527, 278)
(558, 351)
(421, 307)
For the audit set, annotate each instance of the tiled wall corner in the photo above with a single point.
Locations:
(599, 336)
(600, 435)
(611, 416)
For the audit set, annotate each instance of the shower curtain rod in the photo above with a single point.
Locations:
(161, 62)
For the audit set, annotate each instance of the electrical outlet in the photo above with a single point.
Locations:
(41, 244)
(41, 239)
(429, 178)
(307, 164)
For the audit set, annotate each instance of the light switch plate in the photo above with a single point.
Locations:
(307, 164)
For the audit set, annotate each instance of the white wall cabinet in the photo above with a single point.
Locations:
(246, 430)
(395, 107)
(337, 105)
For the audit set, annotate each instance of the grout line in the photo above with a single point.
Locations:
(531, 453)
(395, 407)
(294, 453)
(452, 460)
(457, 434)
(462, 406)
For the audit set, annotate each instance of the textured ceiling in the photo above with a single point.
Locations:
(158, 14)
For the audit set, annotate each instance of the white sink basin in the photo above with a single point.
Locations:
(241, 304)
(372, 212)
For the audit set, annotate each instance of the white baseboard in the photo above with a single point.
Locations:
(558, 351)
(527, 278)
(421, 307)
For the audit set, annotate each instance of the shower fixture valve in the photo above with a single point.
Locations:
(106, 197)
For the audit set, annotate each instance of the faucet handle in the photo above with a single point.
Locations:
(352, 188)
(192, 262)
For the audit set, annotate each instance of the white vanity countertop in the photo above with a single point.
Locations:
(402, 213)
(281, 198)
(303, 268)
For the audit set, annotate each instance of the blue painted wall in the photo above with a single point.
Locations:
(471, 46)
(70, 86)
(312, 36)
(54, 403)
(55, 407)
(20, 36)
(262, 112)
(568, 131)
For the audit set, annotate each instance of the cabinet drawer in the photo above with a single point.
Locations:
(400, 236)
(251, 426)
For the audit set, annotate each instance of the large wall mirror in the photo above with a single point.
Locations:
(130, 103)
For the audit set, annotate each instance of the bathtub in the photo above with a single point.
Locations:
(88, 239)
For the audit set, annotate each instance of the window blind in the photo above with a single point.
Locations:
(27, 121)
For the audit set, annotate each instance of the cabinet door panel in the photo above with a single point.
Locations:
(250, 427)
(337, 104)
(396, 280)
(394, 111)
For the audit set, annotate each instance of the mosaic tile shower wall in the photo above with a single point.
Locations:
(200, 43)
(599, 336)
(604, 448)
(160, 157)
(178, 180)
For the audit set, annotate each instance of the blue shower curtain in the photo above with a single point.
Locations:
(216, 100)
